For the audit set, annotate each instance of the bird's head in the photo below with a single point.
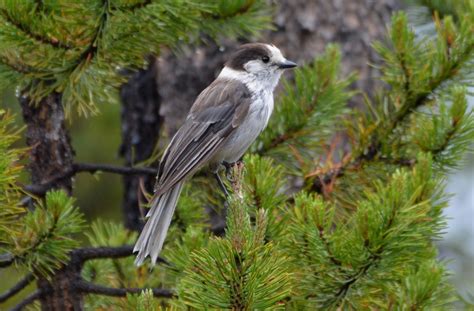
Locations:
(263, 62)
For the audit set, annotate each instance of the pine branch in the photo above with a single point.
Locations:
(434, 84)
(92, 49)
(90, 253)
(138, 5)
(413, 101)
(91, 288)
(28, 300)
(445, 143)
(123, 170)
(89, 168)
(19, 68)
(323, 239)
(29, 33)
(341, 294)
(24, 282)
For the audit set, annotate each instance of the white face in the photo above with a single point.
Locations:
(264, 68)
(259, 69)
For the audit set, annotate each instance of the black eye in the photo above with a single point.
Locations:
(265, 59)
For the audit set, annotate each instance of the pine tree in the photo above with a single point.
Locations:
(309, 224)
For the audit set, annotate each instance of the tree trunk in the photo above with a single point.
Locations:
(140, 133)
(60, 294)
(51, 155)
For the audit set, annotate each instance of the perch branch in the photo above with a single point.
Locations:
(91, 288)
(30, 299)
(17, 287)
(89, 253)
(89, 168)
(5, 260)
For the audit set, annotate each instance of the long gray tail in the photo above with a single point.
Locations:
(159, 217)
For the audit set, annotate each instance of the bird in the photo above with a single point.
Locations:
(223, 122)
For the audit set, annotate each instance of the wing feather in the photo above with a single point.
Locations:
(214, 116)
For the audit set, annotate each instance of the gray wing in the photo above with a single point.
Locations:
(218, 110)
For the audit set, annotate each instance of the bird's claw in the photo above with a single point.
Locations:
(229, 174)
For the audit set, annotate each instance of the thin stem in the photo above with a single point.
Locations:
(28, 300)
(89, 253)
(17, 287)
(124, 170)
(89, 168)
(6, 260)
(91, 288)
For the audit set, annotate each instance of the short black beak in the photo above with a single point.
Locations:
(287, 64)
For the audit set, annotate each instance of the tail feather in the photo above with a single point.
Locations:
(159, 217)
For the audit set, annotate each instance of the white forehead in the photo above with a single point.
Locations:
(276, 53)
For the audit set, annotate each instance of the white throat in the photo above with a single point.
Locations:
(255, 82)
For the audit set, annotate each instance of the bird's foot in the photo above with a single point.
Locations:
(229, 169)
(221, 184)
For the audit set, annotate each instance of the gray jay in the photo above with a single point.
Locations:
(223, 122)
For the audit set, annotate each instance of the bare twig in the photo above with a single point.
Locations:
(30, 299)
(17, 287)
(89, 168)
(89, 253)
(91, 288)
(6, 260)
(124, 170)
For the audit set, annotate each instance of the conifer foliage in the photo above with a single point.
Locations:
(79, 48)
(310, 225)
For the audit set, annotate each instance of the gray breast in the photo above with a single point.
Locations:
(255, 122)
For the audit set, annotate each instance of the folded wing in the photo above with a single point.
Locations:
(217, 112)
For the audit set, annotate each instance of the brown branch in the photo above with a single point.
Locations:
(89, 253)
(28, 300)
(24, 282)
(92, 168)
(105, 252)
(91, 288)
(6, 260)
(123, 170)
(372, 259)
(23, 69)
(77, 259)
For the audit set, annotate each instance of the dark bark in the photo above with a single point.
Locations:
(60, 293)
(140, 133)
(66, 288)
(51, 154)
(41, 189)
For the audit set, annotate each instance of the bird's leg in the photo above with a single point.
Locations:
(221, 184)
(228, 169)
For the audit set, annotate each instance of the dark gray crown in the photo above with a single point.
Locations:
(245, 53)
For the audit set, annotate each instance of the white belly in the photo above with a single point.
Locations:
(243, 136)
